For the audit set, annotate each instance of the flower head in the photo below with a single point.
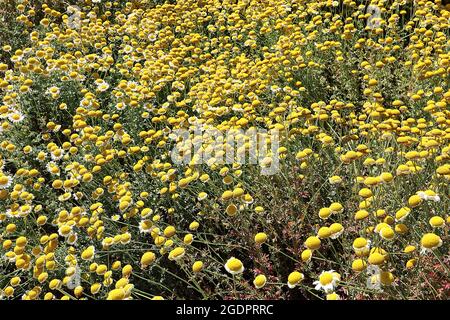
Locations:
(328, 280)
(234, 266)
(294, 279)
(259, 281)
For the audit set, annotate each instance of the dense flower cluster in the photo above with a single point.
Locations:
(93, 206)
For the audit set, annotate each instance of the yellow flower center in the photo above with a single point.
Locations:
(359, 243)
(260, 280)
(295, 277)
(430, 241)
(387, 233)
(376, 258)
(234, 265)
(312, 243)
(326, 278)
(177, 252)
(3, 180)
(436, 221)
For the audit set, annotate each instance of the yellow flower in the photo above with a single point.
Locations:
(328, 280)
(312, 243)
(360, 244)
(260, 237)
(15, 281)
(116, 294)
(231, 210)
(202, 196)
(49, 296)
(387, 233)
(430, 241)
(54, 284)
(177, 253)
(194, 225)
(126, 270)
(197, 266)
(336, 230)
(333, 296)
(88, 253)
(372, 181)
(259, 209)
(402, 213)
(234, 266)
(169, 231)
(147, 258)
(409, 249)
(361, 214)
(411, 263)
(376, 258)
(306, 255)
(324, 213)
(78, 291)
(188, 239)
(386, 278)
(437, 222)
(294, 279)
(336, 207)
(359, 265)
(227, 195)
(259, 281)
(386, 177)
(414, 201)
(365, 193)
(335, 180)
(324, 232)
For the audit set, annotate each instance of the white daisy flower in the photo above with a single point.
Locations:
(15, 116)
(328, 280)
(5, 181)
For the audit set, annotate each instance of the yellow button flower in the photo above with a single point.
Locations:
(197, 266)
(259, 281)
(325, 213)
(147, 259)
(437, 222)
(376, 258)
(116, 294)
(312, 243)
(306, 255)
(234, 266)
(260, 237)
(88, 253)
(177, 253)
(430, 241)
(359, 265)
(294, 279)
